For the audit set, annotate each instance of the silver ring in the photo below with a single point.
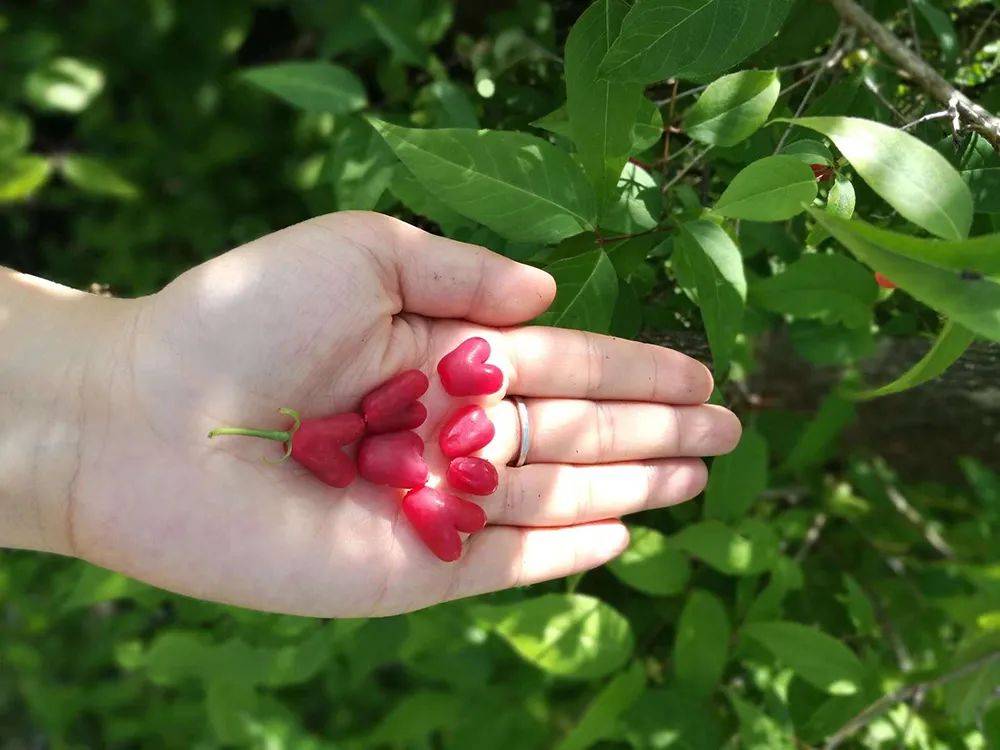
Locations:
(524, 424)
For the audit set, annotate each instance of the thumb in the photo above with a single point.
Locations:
(443, 278)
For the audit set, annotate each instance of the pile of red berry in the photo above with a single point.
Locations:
(391, 454)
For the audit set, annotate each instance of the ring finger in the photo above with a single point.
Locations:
(575, 431)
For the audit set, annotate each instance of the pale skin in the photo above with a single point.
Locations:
(105, 406)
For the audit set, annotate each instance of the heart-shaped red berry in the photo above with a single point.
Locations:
(393, 459)
(465, 432)
(393, 405)
(464, 371)
(438, 517)
(477, 476)
(318, 445)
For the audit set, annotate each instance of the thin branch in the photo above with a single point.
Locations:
(983, 122)
(812, 536)
(911, 514)
(782, 69)
(913, 28)
(973, 47)
(902, 694)
(830, 60)
(690, 165)
(926, 118)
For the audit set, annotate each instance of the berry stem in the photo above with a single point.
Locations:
(281, 436)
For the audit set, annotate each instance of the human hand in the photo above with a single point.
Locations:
(313, 317)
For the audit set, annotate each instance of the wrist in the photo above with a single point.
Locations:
(60, 349)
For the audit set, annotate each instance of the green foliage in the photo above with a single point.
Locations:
(137, 139)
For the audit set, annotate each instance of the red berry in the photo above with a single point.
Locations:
(409, 417)
(438, 516)
(822, 172)
(465, 432)
(477, 476)
(464, 371)
(317, 445)
(383, 405)
(394, 459)
(883, 281)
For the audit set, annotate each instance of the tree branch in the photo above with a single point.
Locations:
(905, 693)
(978, 118)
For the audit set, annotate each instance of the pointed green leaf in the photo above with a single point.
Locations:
(614, 699)
(21, 176)
(733, 108)
(713, 263)
(312, 86)
(972, 302)
(95, 176)
(749, 549)
(602, 113)
(980, 254)
(907, 174)
(587, 289)
(950, 344)
(701, 644)
(518, 185)
(693, 39)
(813, 655)
(774, 188)
(737, 479)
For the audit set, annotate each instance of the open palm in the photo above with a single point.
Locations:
(313, 317)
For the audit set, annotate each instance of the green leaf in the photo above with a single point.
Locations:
(639, 204)
(518, 185)
(614, 699)
(15, 133)
(831, 288)
(397, 35)
(942, 27)
(701, 644)
(626, 322)
(671, 719)
(312, 86)
(94, 176)
(950, 344)
(859, 606)
(737, 479)
(785, 577)
(602, 114)
(96, 585)
(979, 166)
(733, 108)
(567, 635)
(360, 166)
(758, 731)
(648, 128)
(980, 254)
(966, 696)
(714, 265)
(809, 151)
(972, 302)
(64, 84)
(651, 564)
(813, 655)
(774, 188)
(906, 173)
(424, 203)
(693, 39)
(22, 176)
(232, 706)
(817, 441)
(840, 201)
(587, 289)
(748, 550)
(415, 717)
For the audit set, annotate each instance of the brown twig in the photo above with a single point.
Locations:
(902, 694)
(980, 120)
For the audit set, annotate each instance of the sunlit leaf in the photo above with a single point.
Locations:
(651, 564)
(733, 108)
(701, 644)
(774, 188)
(312, 86)
(520, 186)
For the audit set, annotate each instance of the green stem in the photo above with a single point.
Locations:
(281, 436)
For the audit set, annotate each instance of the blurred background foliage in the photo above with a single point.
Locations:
(818, 596)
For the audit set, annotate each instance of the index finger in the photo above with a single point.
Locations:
(561, 363)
